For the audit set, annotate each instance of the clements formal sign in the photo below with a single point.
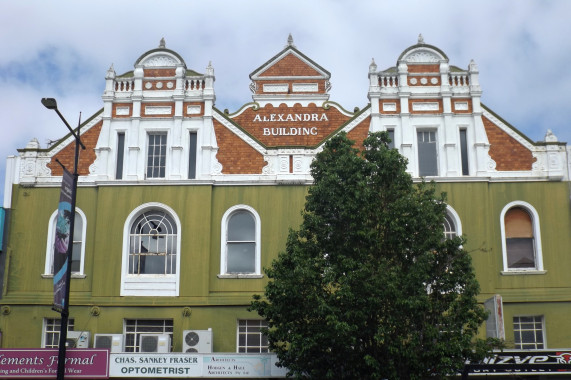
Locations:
(42, 363)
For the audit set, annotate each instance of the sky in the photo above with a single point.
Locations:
(63, 49)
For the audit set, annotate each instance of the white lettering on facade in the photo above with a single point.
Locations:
(280, 117)
(292, 131)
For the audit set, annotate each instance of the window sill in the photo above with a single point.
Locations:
(73, 275)
(240, 275)
(518, 272)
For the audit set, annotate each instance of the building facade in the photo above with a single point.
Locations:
(181, 205)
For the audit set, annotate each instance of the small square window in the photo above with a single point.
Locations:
(250, 336)
(52, 329)
(133, 329)
(528, 332)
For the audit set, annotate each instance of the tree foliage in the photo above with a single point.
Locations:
(369, 287)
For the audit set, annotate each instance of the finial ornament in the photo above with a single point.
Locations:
(110, 72)
(420, 39)
(550, 137)
(290, 41)
(373, 66)
(162, 44)
(210, 69)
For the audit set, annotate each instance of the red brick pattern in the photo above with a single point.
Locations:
(154, 85)
(171, 104)
(411, 102)
(158, 73)
(507, 152)
(320, 86)
(394, 101)
(458, 100)
(235, 155)
(428, 80)
(278, 133)
(185, 109)
(414, 68)
(86, 157)
(360, 132)
(288, 66)
(122, 105)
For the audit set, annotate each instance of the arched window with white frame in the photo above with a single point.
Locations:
(78, 252)
(240, 243)
(151, 246)
(521, 238)
(452, 224)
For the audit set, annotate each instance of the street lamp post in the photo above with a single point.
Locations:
(50, 103)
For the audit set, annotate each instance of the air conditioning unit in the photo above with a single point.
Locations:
(199, 341)
(77, 339)
(113, 342)
(154, 343)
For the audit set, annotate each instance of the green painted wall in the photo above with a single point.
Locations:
(217, 303)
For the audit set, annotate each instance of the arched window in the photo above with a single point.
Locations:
(152, 244)
(78, 252)
(521, 241)
(151, 252)
(240, 245)
(452, 225)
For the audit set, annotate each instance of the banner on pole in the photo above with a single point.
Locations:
(62, 241)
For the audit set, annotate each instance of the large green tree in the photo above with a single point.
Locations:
(369, 287)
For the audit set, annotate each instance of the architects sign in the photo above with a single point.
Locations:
(42, 363)
(184, 365)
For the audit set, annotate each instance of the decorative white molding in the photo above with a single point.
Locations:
(389, 107)
(193, 110)
(461, 106)
(305, 87)
(158, 110)
(159, 61)
(275, 87)
(425, 106)
(422, 56)
(123, 111)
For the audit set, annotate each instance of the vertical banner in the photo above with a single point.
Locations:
(62, 240)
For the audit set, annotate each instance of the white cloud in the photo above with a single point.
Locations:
(64, 48)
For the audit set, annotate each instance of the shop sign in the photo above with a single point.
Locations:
(184, 365)
(42, 363)
(510, 362)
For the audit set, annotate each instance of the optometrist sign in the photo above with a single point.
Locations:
(184, 365)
